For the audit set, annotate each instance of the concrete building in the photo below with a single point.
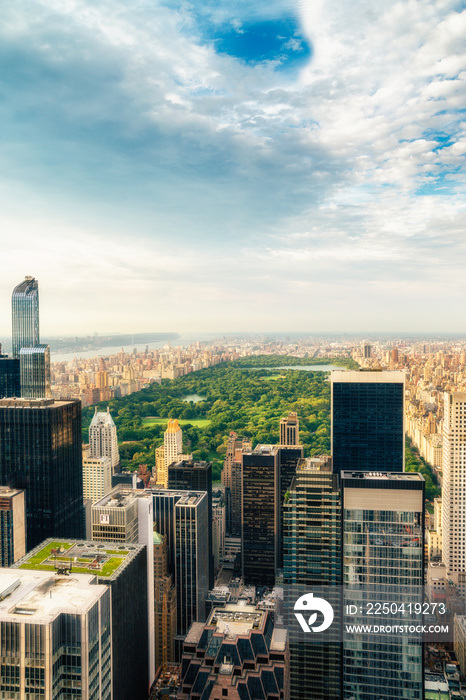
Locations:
(368, 420)
(56, 636)
(40, 451)
(383, 548)
(103, 439)
(289, 430)
(126, 515)
(231, 479)
(454, 487)
(237, 654)
(97, 477)
(218, 527)
(12, 526)
(117, 567)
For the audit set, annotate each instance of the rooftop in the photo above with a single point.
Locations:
(383, 476)
(41, 596)
(367, 376)
(14, 402)
(102, 559)
(234, 619)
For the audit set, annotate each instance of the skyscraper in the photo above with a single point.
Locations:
(25, 315)
(367, 420)
(97, 477)
(12, 526)
(40, 451)
(56, 636)
(164, 604)
(312, 557)
(10, 383)
(383, 551)
(103, 439)
(231, 479)
(453, 488)
(289, 430)
(35, 372)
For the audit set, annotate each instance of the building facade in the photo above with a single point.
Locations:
(164, 605)
(289, 430)
(367, 420)
(10, 384)
(40, 452)
(35, 372)
(97, 477)
(25, 315)
(12, 526)
(103, 438)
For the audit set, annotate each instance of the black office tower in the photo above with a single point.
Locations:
(195, 476)
(40, 451)
(9, 377)
(367, 421)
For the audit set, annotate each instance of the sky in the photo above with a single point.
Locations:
(234, 166)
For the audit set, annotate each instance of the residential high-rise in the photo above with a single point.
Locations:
(40, 451)
(231, 479)
(97, 477)
(312, 557)
(12, 526)
(165, 605)
(173, 442)
(218, 527)
(103, 439)
(289, 430)
(120, 569)
(56, 636)
(367, 420)
(260, 514)
(237, 654)
(453, 488)
(25, 315)
(196, 476)
(35, 372)
(383, 551)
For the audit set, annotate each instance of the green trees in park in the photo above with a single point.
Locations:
(415, 463)
(233, 398)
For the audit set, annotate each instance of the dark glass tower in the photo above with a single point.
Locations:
(312, 557)
(195, 476)
(40, 451)
(35, 372)
(9, 377)
(368, 421)
(25, 315)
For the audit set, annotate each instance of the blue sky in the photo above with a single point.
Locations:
(234, 166)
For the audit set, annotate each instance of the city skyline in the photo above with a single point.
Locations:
(225, 165)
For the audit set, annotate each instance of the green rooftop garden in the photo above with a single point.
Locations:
(81, 561)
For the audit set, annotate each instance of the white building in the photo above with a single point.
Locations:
(454, 486)
(97, 477)
(103, 437)
(58, 635)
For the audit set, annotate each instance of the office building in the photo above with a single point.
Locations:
(237, 654)
(383, 548)
(103, 439)
(453, 513)
(9, 377)
(97, 477)
(191, 558)
(260, 515)
(12, 526)
(164, 605)
(218, 527)
(56, 636)
(35, 372)
(289, 430)
(120, 569)
(195, 476)
(40, 451)
(161, 472)
(126, 516)
(231, 479)
(289, 457)
(312, 557)
(367, 420)
(25, 315)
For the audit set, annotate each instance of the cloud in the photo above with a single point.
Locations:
(177, 167)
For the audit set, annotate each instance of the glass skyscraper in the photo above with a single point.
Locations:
(367, 421)
(25, 315)
(35, 372)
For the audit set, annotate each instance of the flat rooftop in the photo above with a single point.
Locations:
(313, 464)
(367, 376)
(101, 559)
(14, 402)
(235, 619)
(382, 476)
(6, 492)
(39, 596)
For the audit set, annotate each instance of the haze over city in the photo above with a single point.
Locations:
(234, 166)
